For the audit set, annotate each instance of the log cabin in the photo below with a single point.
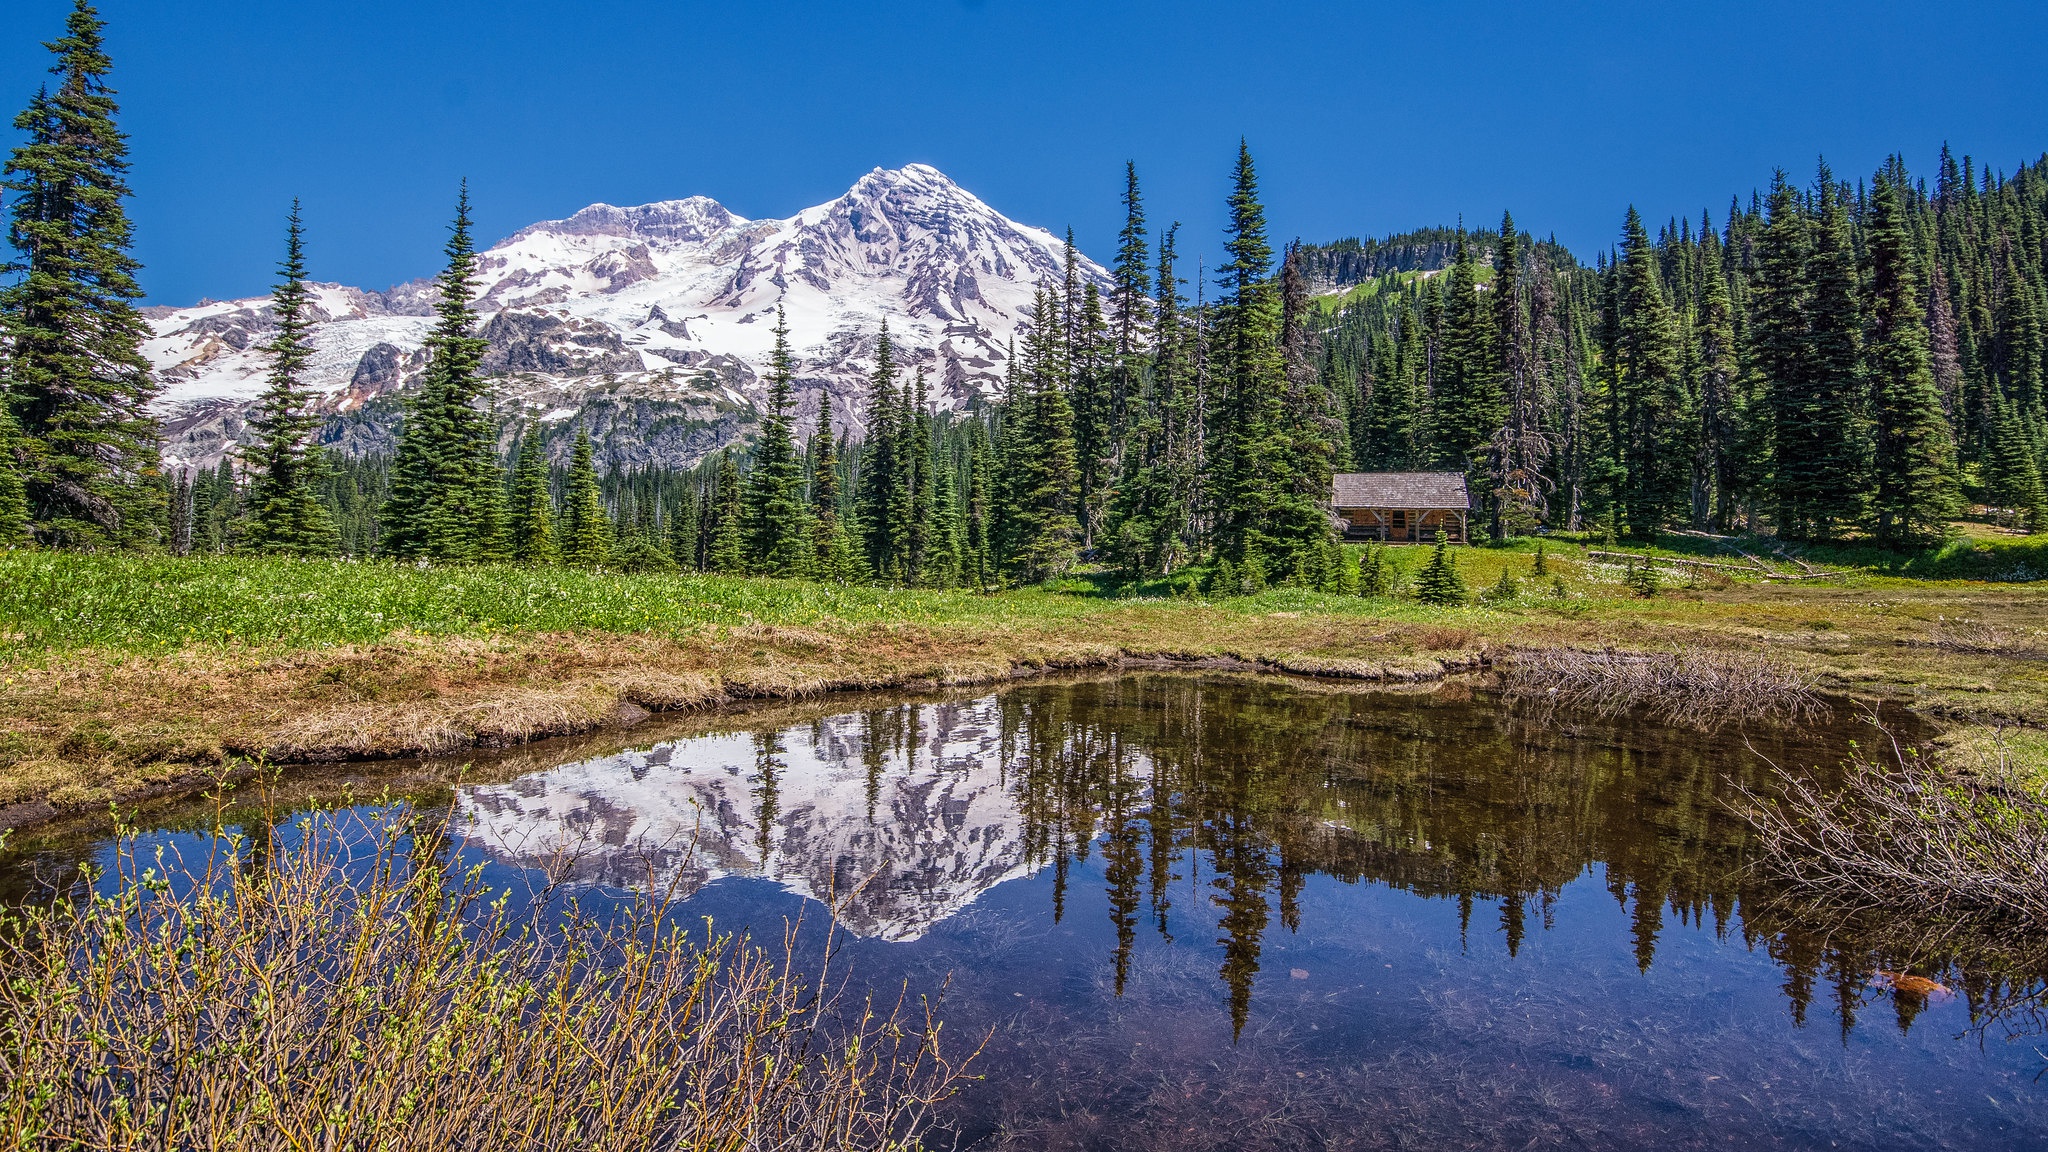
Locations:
(1401, 507)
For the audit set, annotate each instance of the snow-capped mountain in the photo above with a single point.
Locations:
(902, 837)
(654, 323)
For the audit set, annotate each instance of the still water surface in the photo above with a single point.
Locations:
(1232, 913)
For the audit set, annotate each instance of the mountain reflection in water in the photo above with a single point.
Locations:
(1232, 914)
(1219, 794)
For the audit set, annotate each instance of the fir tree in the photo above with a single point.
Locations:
(1716, 370)
(1042, 459)
(727, 551)
(1309, 430)
(1650, 391)
(880, 495)
(2012, 471)
(586, 530)
(1841, 473)
(978, 559)
(1778, 329)
(78, 384)
(1130, 306)
(446, 497)
(1375, 574)
(532, 514)
(1439, 582)
(1251, 442)
(285, 516)
(1916, 485)
(779, 541)
(831, 551)
(1466, 406)
(683, 524)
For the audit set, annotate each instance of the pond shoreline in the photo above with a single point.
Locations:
(633, 708)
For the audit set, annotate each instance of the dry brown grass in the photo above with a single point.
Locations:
(1701, 688)
(338, 986)
(80, 727)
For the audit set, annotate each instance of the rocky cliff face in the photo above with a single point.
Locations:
(671, 304)
(902, 834)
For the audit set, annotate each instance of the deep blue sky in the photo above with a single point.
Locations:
(1363, 118)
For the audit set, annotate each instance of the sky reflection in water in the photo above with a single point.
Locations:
(1222, 912)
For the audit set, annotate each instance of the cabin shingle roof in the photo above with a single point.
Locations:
(1444, 490)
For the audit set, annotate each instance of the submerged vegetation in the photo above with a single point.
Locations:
(1961, 837)
(341, 982)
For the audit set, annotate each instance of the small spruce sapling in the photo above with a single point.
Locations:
(1641, 578)
(1439, 582)
(1375, 574)
(1223, 579)
(1505, 590)
(1542, 567)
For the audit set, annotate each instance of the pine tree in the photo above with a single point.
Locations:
(78, 384)
(832, 557)
(1251, 441)
(727, 552)
(1835, 359)
(1778, 341)
(447, 500)
(1308, 431)
(880, 492)
(2012, 470)
(684, 523)
(532, 515)
(1439, 582)
(586, 530)
(1650, 391)
(978, 560)
(779, 541)
(284, 515)
(1916, 483)
(1042, 460)
(1716, 370)
(1520, 450)
(1466, 404)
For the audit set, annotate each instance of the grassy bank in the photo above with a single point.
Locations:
(124, 675)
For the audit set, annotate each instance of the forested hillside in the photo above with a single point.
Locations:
(1828, 359)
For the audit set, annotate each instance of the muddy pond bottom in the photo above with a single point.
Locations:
(1217, 912)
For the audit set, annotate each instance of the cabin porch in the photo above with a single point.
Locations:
(1403, 525)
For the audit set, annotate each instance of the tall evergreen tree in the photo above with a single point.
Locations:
(1650, 391)
(779, 540)
(446, 497)
(1465, 404)
(586, 530)
(1042, 459)
(832, 556)
(879, 494)
(1778, 339)
(1309, 428)
(78, 385)
(531, 522)
(1834, 333)
(1130, 307)
(284, 514)
(1520, 451)
(1916, 482)
(1251, 442)
(1716, 369)
(727, 550)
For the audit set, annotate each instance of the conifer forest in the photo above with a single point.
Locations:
(1825, 359)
